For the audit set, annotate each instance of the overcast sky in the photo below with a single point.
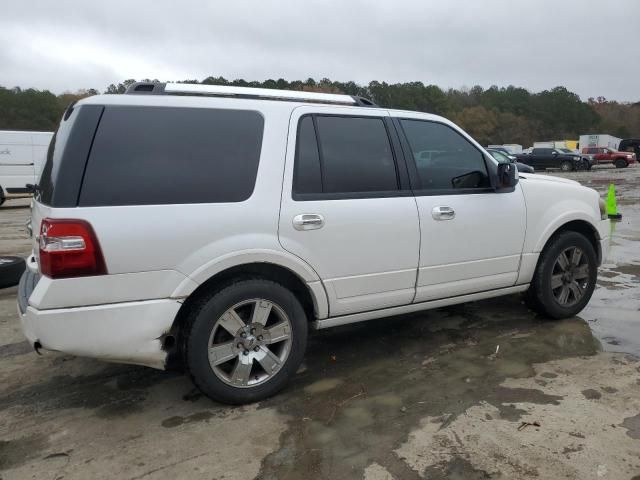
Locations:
(590, 46)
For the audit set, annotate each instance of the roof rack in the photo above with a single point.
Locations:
(156, 88)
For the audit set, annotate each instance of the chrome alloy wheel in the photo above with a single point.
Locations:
(249, 343)
(570, 276)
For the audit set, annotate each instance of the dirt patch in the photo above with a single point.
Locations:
(591, 394)
(176, 421)
(457, 468)
(115, 391)
(632, 424)
(19, 451)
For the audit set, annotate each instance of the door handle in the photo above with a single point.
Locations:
(308, 221)
(443, 213)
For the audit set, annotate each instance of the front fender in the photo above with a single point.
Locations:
(551, 204)
(557, 223)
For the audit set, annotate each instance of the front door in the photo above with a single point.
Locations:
(347, 209)
(472, 236)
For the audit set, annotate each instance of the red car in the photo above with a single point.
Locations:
(603, 155)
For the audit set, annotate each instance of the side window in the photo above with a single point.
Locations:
(343, 155)
(307, 177)
(169, 155)
(444, 159)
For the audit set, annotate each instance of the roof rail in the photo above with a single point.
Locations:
(155, 88)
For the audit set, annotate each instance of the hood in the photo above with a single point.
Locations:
(546, 178)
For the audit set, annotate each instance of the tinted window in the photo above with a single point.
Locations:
(307, 177)
(67, 156)
(342, 155)
(543, 151)
(147, 155)
(444, 159)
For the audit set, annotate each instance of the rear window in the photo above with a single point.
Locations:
(59, 183)
(151, 155)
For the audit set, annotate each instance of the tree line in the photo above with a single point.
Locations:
(494, 115)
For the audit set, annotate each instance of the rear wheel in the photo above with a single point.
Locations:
(246, 341)
(565, 276)
(620, 163)
(566, 166)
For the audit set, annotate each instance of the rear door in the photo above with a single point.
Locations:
(347, 209)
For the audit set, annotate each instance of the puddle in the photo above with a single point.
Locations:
(338, 429)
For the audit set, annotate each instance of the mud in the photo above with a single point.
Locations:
(418, 396)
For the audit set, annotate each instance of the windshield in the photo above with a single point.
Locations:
(565, 150)
(499, 156)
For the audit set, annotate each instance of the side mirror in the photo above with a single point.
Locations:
(555, 154)
(507, 175)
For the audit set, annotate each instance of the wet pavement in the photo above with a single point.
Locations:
(481, 390)
(614, 310)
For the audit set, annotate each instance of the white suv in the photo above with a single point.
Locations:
(211, 227)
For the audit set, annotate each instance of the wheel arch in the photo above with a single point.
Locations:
(580, 226)
(311, 295)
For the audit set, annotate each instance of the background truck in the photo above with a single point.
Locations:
(604, 155)
(543, 158)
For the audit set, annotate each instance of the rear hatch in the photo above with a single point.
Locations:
(61, 179)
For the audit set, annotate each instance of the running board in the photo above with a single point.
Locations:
(415, 307)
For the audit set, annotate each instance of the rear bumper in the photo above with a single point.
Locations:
(130, 332)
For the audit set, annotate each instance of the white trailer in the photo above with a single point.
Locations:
(514, 148)
(553, 144)
(599, 140)
(22, 157)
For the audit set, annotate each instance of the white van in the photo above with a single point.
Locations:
(22, 155)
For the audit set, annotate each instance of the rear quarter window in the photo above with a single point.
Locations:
(166, 155)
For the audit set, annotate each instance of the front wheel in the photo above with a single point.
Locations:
(620, 163)
(566, 166)
(565, 276)
(246, 341)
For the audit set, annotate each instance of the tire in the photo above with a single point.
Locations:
(242, 378)
(620, 163)
(550, 281)
(566, 166)
(11, 269)
(2, 197)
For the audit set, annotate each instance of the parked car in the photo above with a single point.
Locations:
(604, 155)
(22, 155)
(216, 225)
(587, 161)
(503, 158)
(543, 158)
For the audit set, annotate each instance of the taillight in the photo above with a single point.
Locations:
(69, 248)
